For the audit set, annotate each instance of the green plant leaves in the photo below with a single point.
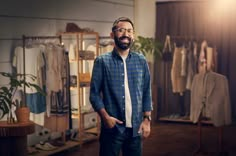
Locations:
(148, 45)
(15, 81)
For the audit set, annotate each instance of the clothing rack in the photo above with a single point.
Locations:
(220, 132)
(24, 39)
(187, 37)
(180, 41)
(192, 38)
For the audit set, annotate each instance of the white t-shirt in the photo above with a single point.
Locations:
(128, 103)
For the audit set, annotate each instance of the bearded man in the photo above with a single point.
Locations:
(120, 91)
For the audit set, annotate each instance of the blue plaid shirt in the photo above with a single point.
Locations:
(107, 87)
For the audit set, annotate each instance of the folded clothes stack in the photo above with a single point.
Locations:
(86, 54)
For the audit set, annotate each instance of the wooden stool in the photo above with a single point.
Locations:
(13, 138)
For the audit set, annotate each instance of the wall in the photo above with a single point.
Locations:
(144, 17)
(46, 18)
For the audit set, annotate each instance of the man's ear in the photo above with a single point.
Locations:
(112, 35)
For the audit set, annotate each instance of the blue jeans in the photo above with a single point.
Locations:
(112, 142)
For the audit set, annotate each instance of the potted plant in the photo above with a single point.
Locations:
(151, 48)
(7, 93)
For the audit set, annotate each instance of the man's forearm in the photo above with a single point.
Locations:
(103, 113)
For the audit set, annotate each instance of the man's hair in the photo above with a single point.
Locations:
(121, 19)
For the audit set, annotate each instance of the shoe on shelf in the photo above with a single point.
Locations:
(45, 146)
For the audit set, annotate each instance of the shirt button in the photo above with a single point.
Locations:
(123, 97)
(122, 85)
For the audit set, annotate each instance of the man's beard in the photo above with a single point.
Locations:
(121, 45)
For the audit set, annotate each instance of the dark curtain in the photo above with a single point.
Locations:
(203, 20)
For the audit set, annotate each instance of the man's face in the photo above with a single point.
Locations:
(124, 35)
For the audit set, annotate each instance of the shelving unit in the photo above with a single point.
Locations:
(83, 48)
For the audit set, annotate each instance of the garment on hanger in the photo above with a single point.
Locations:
(178, 70)
(33, 65)
(72, 51)
(207, 58)
(210, 97)
(190, 65)
(167, 50)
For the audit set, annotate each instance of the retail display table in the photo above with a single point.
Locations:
(13, 138)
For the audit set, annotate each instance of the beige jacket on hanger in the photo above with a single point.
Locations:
(212, 89)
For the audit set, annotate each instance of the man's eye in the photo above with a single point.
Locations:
(130, 30)
(121, 30)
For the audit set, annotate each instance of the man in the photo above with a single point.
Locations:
(121, 94)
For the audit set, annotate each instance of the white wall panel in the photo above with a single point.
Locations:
(46, 18)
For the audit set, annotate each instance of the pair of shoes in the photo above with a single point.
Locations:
(45, 147)
(50, 145)
(174, 116)
(57, 143)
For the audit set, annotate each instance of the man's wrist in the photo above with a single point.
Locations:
(147, 117)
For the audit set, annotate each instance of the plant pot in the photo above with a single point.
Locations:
(22, 114)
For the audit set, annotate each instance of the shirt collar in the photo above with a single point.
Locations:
(116, 54)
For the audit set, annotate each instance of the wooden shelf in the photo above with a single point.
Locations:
(183, 120)
(90, 134)
(89, 137)
(78, 43)
(174, 120)
(87, 112)
(68, 145)
(93, 130)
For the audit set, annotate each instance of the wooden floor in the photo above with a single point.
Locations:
(175, 139)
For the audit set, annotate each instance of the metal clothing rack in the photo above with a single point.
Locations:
(178, 40)
(24, 39)
(199, 124)
(188, 37)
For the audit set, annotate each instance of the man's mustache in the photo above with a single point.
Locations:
(125, 37)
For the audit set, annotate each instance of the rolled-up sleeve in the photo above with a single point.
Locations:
(95, 85)
(147, 98)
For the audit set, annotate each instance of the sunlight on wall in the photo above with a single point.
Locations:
(220, 12)
(223, 7)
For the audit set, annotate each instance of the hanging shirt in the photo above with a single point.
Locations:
(33, 65)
